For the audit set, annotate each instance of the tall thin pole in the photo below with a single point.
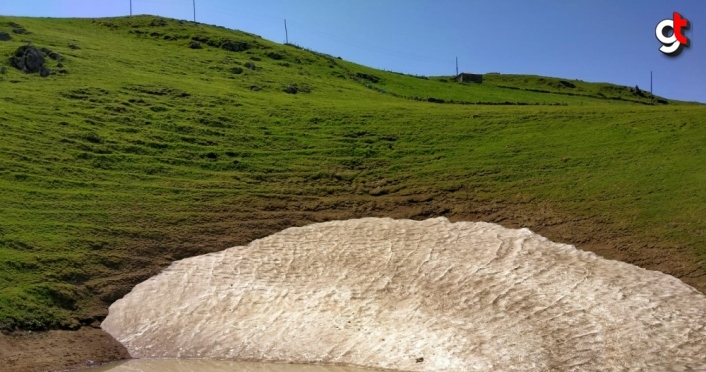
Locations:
(194, 11)
(456, 66)
(286, 34)
(130, 7)
(652, 96)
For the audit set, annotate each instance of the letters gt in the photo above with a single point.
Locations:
(673, 45)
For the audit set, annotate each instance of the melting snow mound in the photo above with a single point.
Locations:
(416, 296)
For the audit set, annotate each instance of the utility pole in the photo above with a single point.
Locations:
(131, 7)
(286, 34)
(652, 96)
(456, 66)
(194, 11)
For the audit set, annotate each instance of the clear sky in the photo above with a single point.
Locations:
(592, 40)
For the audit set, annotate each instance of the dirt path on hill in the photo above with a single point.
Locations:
(61, 350)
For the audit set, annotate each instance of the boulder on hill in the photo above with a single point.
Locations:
(4, 36)
(52, 54)
(28, 59)
(195, 44)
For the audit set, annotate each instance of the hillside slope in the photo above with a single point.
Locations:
(140, 150)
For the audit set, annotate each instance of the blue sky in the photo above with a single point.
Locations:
(591, 40)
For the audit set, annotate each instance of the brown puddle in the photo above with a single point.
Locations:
(200, 365)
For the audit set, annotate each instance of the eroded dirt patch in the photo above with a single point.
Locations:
(58, 350)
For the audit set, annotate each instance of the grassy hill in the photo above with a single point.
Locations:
(140, 150)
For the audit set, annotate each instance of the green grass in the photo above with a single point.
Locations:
(144, 137)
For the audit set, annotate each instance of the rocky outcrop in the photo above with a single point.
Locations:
(51, 54)
(28, 59)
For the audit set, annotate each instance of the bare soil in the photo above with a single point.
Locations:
(62, 350)
(58, 350)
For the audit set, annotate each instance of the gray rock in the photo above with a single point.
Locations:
(51, 54)
(195, 45)
(4, 36)
(28, 59)
(44, 71)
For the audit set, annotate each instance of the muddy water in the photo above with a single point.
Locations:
(415, 296)
(176, 365)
